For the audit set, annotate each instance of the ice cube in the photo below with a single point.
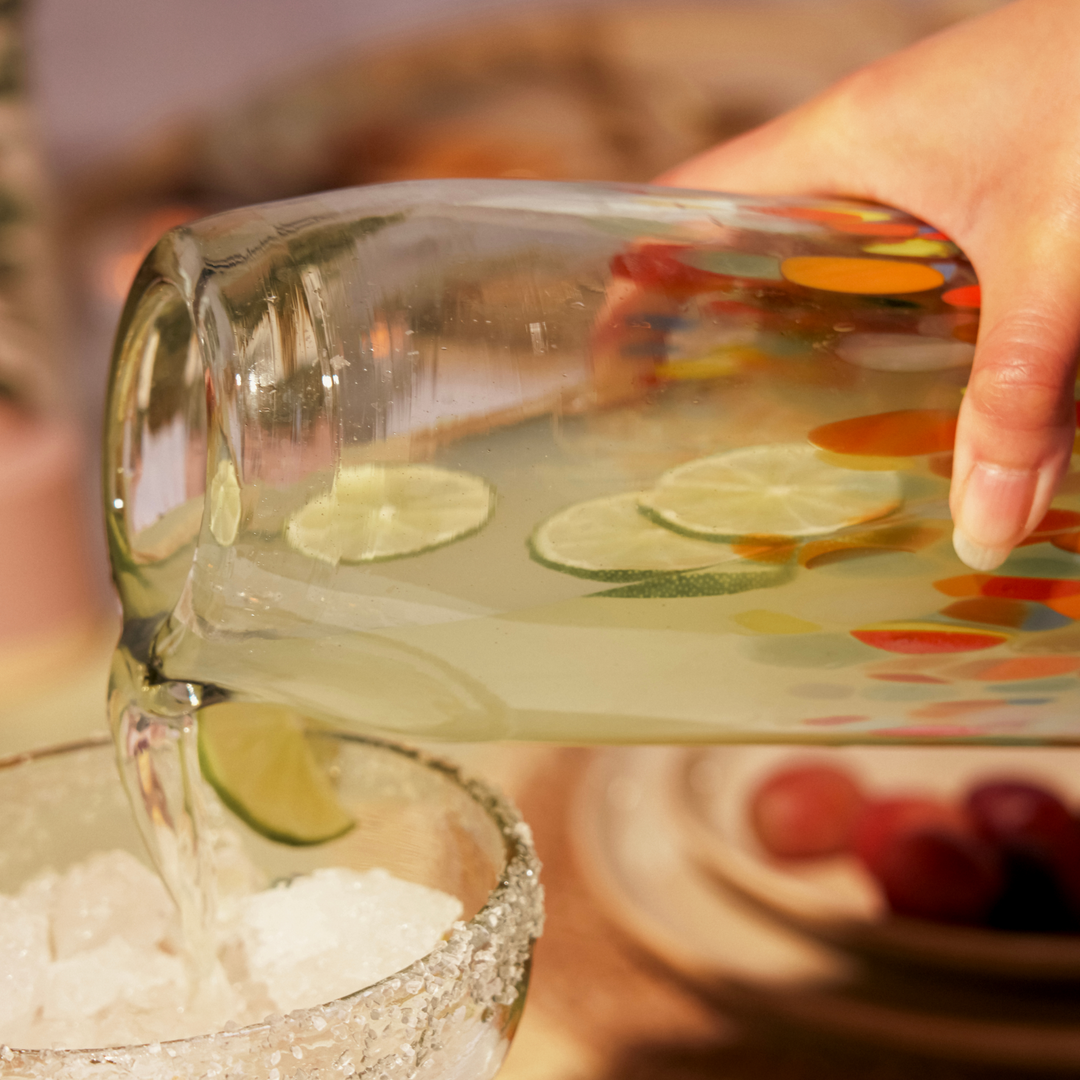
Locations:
(117, 971)
(335, 931)
(109, 894)
(24, 962)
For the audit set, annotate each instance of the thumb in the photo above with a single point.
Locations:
(1015, 434)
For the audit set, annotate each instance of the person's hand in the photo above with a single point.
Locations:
(977, 131)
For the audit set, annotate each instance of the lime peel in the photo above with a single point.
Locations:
(608, 539)
(714, 582)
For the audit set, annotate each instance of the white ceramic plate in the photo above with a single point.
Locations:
(630, 848)
(836, 899)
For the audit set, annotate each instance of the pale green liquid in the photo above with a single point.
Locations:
(475, 640)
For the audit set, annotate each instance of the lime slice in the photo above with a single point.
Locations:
(609, 539)
(259, 761)
(378, 512)
(740, 575)
(775, 490)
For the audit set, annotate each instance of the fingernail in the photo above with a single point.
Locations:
(975, 555)
(993, 514)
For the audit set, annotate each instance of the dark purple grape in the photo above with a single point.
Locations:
(1040, 841)
(1019, 814)
(1032, 900)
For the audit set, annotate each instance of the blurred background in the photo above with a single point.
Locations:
(150, 112)
(122, 118)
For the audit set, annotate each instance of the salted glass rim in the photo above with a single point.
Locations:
(505, 899)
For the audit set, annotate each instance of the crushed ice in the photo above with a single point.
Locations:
(93, 957)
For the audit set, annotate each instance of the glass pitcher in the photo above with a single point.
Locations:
(502, 459)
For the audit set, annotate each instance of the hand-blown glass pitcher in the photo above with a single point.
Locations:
(484, 459)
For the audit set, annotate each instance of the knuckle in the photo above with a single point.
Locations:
(1017, 403)
(1022, 382)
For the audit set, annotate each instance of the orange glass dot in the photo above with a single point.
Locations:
(962, 584)
(868, 277)
(922, 638)
(1057, 519)
(1020, 588)
(1069, 606)
(1031, 667)
(942, 710)
(835, 721)
(1056, 524)
(966, 296)
(1067, 542)
(904, 433)
(810, 213)
(995, 611)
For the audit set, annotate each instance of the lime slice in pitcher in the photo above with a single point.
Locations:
(378, 512)
(260, 762)
(609, 539)
(774, 490)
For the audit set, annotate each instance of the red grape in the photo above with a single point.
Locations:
(928, 861)
(884, 818)
(806, 810)
(1030, 826)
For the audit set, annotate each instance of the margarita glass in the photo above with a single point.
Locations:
(449, 1014)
